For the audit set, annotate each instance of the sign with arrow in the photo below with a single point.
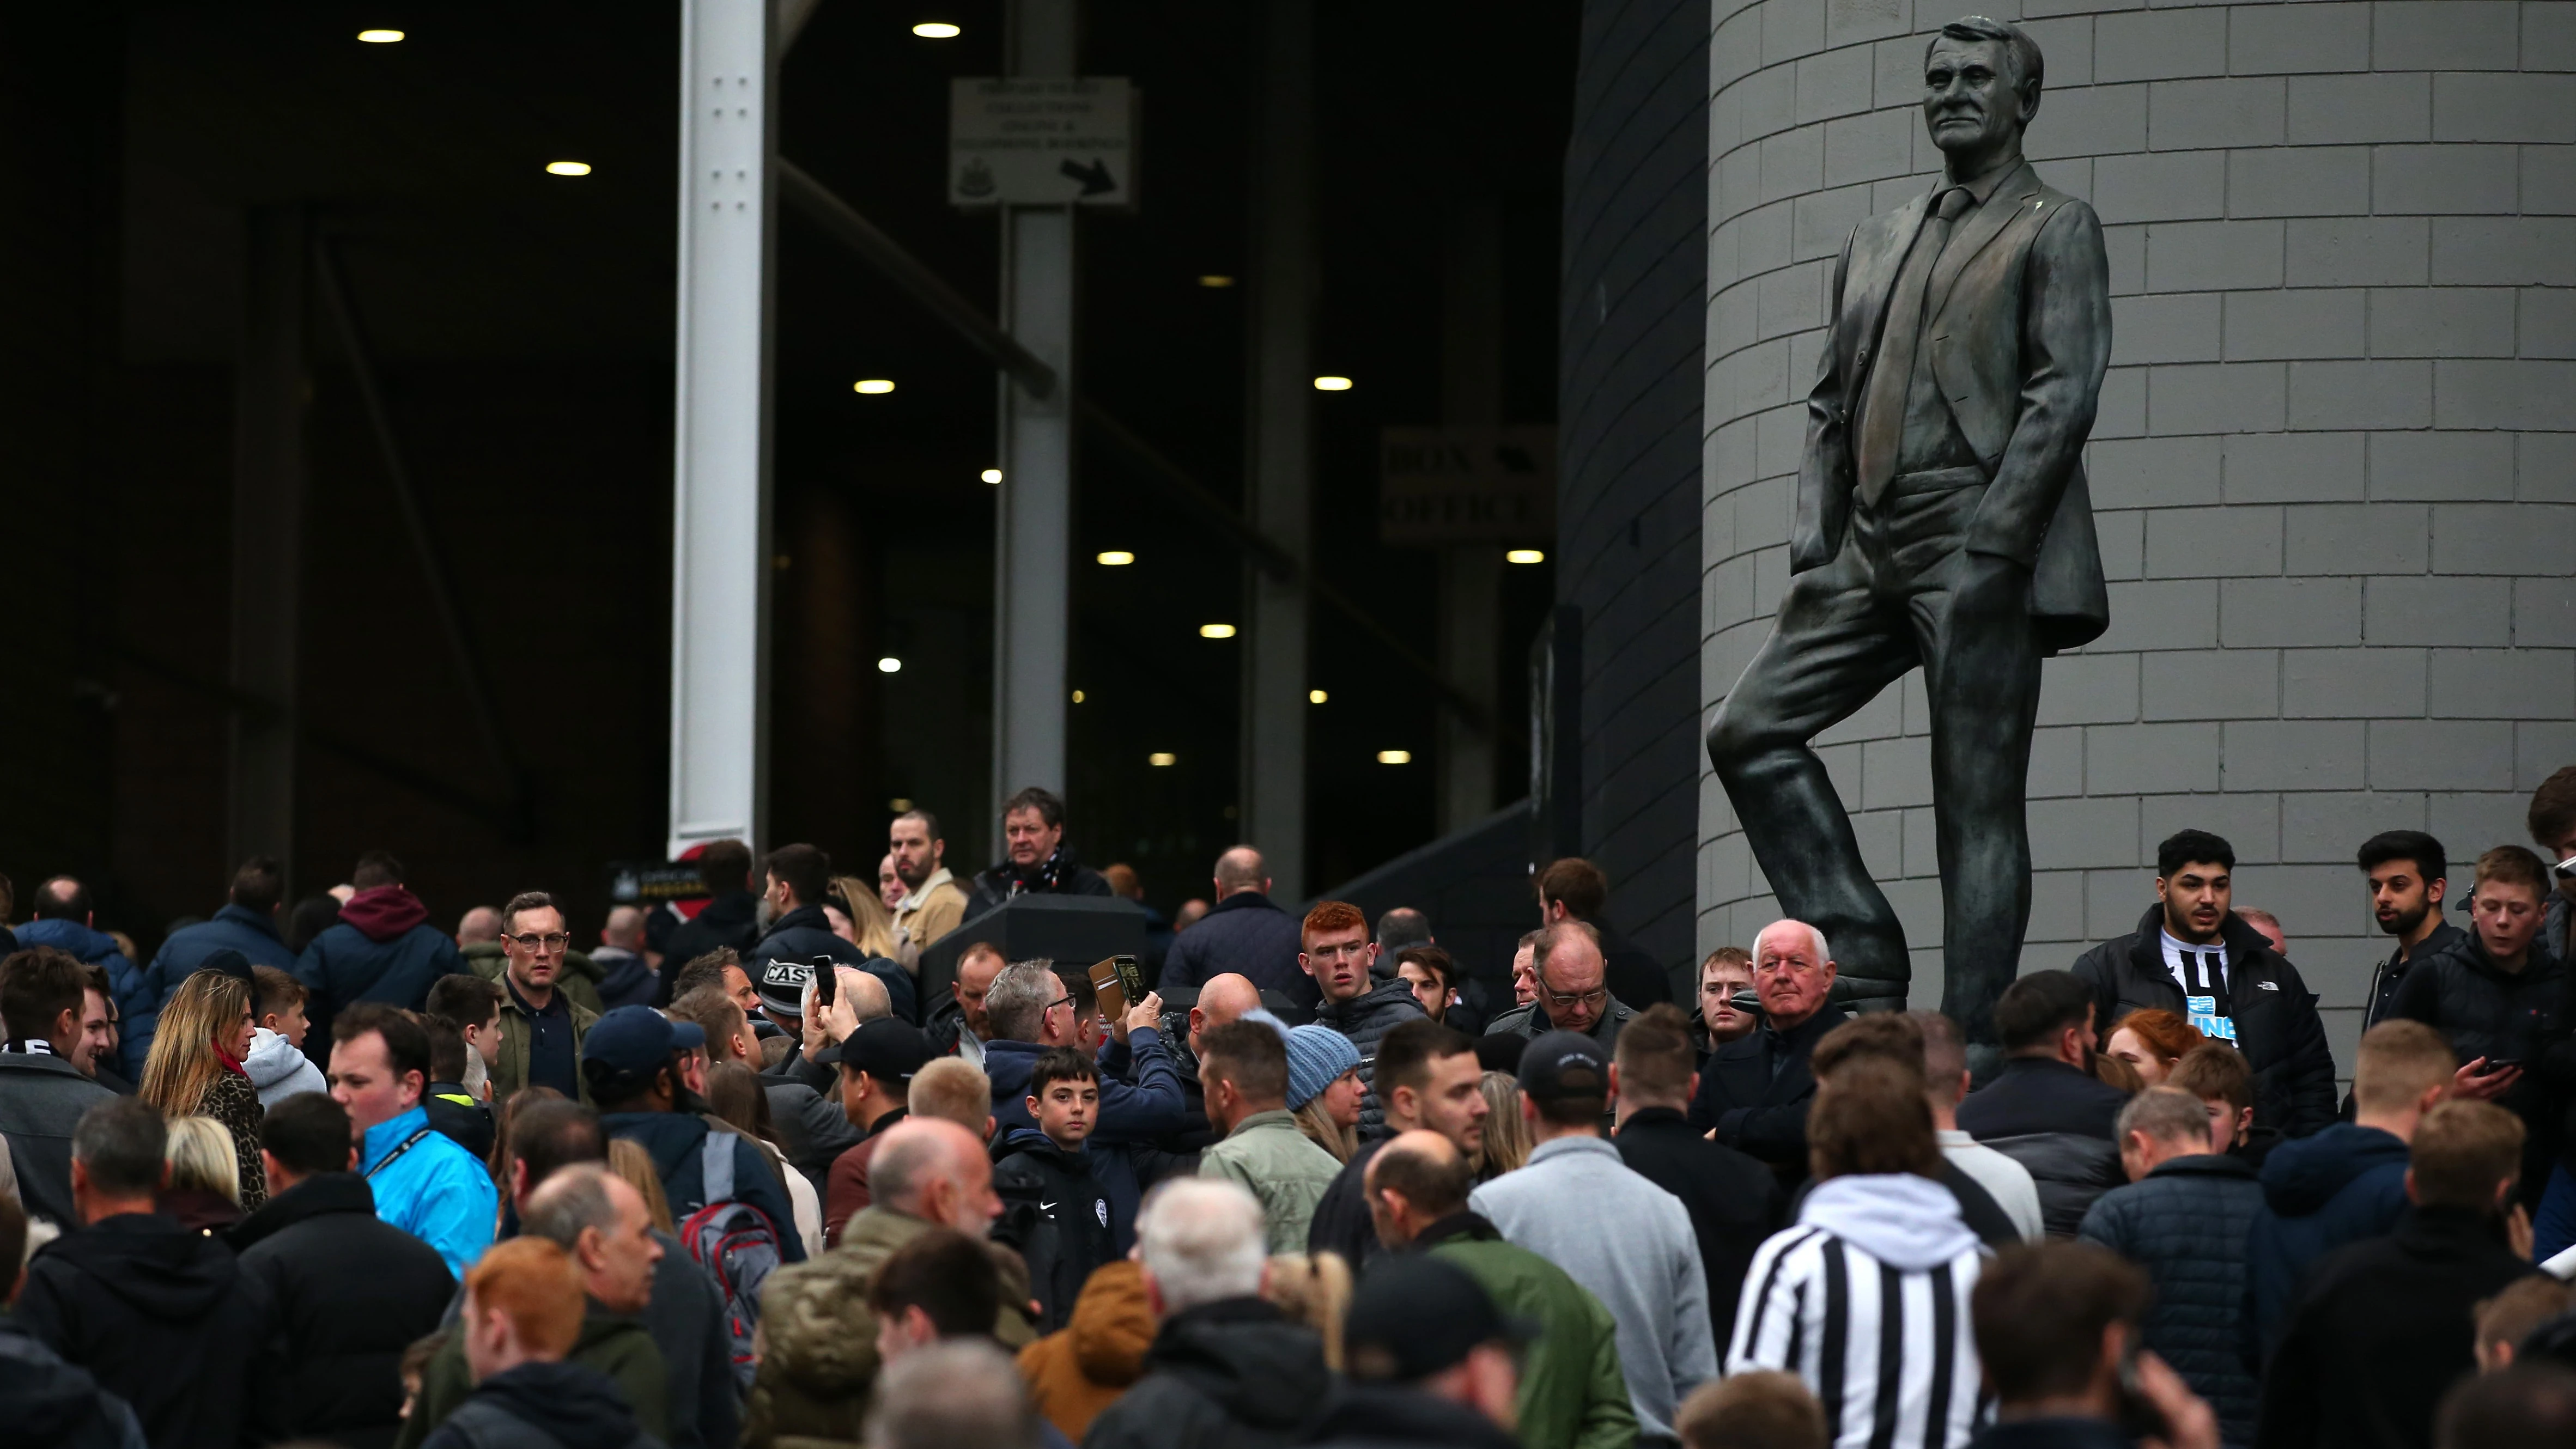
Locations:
(1026, 142)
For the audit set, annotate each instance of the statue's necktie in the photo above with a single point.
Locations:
(1882, 414)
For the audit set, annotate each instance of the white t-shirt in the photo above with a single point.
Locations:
(2201, 972)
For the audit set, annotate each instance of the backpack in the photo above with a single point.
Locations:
(738, 1246)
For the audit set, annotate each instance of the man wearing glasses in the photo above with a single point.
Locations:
(1572, 978)
(1030, 1011)
(541, 1027)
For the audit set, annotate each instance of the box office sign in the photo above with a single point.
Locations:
(1467, 485)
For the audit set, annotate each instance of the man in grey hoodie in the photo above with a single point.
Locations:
(1577, 1204)
(1877, 1235)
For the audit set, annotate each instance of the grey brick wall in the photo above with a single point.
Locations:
(1629, 403)
(2333, 468)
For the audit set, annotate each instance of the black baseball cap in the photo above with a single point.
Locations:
(1417, 1314)
(886, 1049)
(1562, 1064)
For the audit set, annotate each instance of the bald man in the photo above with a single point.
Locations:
(1222, 999)
(1243, 933)
(1754, 1091)
(821, 1361)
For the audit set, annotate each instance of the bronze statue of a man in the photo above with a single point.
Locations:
(1942, 520)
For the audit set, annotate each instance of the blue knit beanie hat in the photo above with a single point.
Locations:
(1317, 1056)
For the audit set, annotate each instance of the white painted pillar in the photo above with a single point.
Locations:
(1033, 519)
(720, 551)
(1280, 445)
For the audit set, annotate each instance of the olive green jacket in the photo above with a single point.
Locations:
(1573, 1394)
(1281, 1166)
(818, 1359)
(510, 1072)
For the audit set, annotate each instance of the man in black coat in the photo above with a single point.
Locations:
(1735, 1202)
(160, 1315)
(2384, 1326)
(2190, 955)
(2045, 1109)
(1427, 1077)
(1054, 1212)
(796, 878)
(43, 1091)
(1038, 861)
(1245, 934)
(1753, 1092)
(2409, 874)
(730, 918)
(351, 1292)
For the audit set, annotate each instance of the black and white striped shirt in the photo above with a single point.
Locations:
(1888, 1350)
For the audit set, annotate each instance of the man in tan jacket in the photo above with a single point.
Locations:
(933, 904)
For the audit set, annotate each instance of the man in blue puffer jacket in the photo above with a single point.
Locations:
(62, 920)
(2183, 1217)
(383, 949)
(247, 923)
(2346, 1183)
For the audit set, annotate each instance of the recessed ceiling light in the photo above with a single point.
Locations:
(1332, 384)
(1216, 279)
(992, 475)
(1116, 557)
(898, 805)
(567, 168)
(1525, 555)
(1315, 696)
(936, 30)
(1077, 696)
(1216, 631)
(380, 37)
(873, 386)
(1395, 757)
(889, 665)
(1162, 757)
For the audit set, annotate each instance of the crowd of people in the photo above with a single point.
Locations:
(751, 1174)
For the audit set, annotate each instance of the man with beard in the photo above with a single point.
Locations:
(2405, 869)
(933, 903)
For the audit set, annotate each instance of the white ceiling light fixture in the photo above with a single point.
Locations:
(1161, 758)
(873, 386)
(937, 30)
(992, 475)
(1332, 384)
(1525, 556)
(567, 168)
(1316, 696)
(1395, 757)
(380, 37)
(1116, 557)
(889, 665)
(1216, 631)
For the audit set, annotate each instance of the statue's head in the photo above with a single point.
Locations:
(1980, 86)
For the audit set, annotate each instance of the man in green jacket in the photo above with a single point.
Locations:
(542, 1018)
(1573, 1394)
(1243, 1069)
(616, 1258)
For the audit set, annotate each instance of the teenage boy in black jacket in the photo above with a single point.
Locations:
(2190, 955)
(1053, 1210)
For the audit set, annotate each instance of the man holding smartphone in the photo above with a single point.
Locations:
(2497, 996)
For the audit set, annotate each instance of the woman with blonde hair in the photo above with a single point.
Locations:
(1324, 1088)
(204, 1189)
(1507, 1143)
(195, 1069)
(860, 917)
(1313, 1289)
(630, 1160)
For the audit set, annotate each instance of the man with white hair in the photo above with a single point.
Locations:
(821, 1364)
(1225, 1366)
(1753, 1092)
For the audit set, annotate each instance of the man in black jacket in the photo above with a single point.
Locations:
(41, 1396)
(159, 1314)
(1352, 998)
(1054, 1212)
(1427, 1075)
(2190, 955)
(1753, 1092)
(351, 1292)
(2045, 1109)
(43, 1092)
(1735, 1202)
(729, 920)
(1225, 1367)
(2407, 871)
(1245, 934)
(797, 878)
(2385, 1325)
(1038, 861)
(2501, 1000)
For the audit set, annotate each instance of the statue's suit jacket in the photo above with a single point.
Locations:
(2018, 331)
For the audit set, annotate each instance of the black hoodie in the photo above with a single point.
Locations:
(1234, 1372)
(44, 1400)
(166, 1319)
(543, 1406)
